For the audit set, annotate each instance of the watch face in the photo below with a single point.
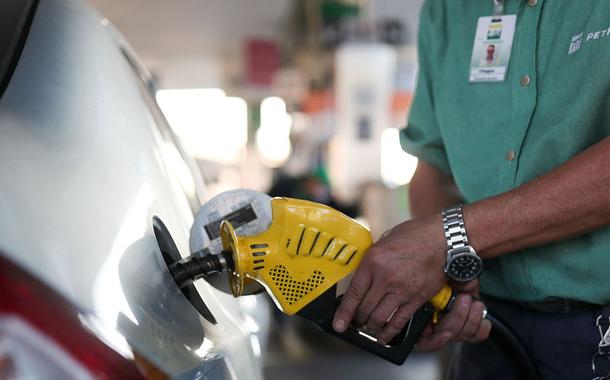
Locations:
(464, 267)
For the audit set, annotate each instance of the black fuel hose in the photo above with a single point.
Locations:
(513, 349)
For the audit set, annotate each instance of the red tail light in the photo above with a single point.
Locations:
(42, 336)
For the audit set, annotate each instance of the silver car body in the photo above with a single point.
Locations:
(85, 165)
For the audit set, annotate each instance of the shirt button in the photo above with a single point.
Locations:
(510, 155)
(532, 3)
(525, 80)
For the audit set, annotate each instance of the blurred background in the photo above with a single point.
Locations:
(299, 98)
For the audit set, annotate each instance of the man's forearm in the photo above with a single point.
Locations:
(569, 201)
(431, 190)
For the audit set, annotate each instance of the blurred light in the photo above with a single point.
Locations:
(256, 346)
(271, 108)
(251, 324)
(204, 350)
(273, 147)
(397, 166)
(211, 125)
(273, 136)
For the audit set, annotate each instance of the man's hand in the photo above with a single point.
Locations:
(400, 272)
(463, 323)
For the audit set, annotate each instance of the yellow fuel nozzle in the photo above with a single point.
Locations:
(307, 249)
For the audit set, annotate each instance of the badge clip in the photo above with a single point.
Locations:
(498, 7)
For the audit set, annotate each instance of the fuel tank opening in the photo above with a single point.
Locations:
(171, 255)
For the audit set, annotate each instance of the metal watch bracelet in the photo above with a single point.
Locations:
(463, 263)
(453, 225)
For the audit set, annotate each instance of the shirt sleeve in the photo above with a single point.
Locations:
(422, 137)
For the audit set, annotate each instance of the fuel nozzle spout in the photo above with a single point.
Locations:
(187, 270)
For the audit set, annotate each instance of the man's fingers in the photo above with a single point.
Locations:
(473, 322)
(433, 342)
(449, 327)
(382, 312)
(427, 330)
(370, 302)
(457, 316)
(353, 296)
(396, 323)
(482, 333)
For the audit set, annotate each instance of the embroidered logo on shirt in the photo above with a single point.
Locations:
(577, 40)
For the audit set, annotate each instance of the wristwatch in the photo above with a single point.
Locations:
(463, 263)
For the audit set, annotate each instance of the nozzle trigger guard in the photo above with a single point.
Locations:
(322, 310)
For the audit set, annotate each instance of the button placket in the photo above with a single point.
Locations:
(524, 92)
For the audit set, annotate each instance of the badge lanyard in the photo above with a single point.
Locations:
(492, 45)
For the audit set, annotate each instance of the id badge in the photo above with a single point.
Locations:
(492, 45)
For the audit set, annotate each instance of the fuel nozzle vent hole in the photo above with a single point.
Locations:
(260, 245)
(291, 289)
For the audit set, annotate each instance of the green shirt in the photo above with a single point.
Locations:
(495, 136)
